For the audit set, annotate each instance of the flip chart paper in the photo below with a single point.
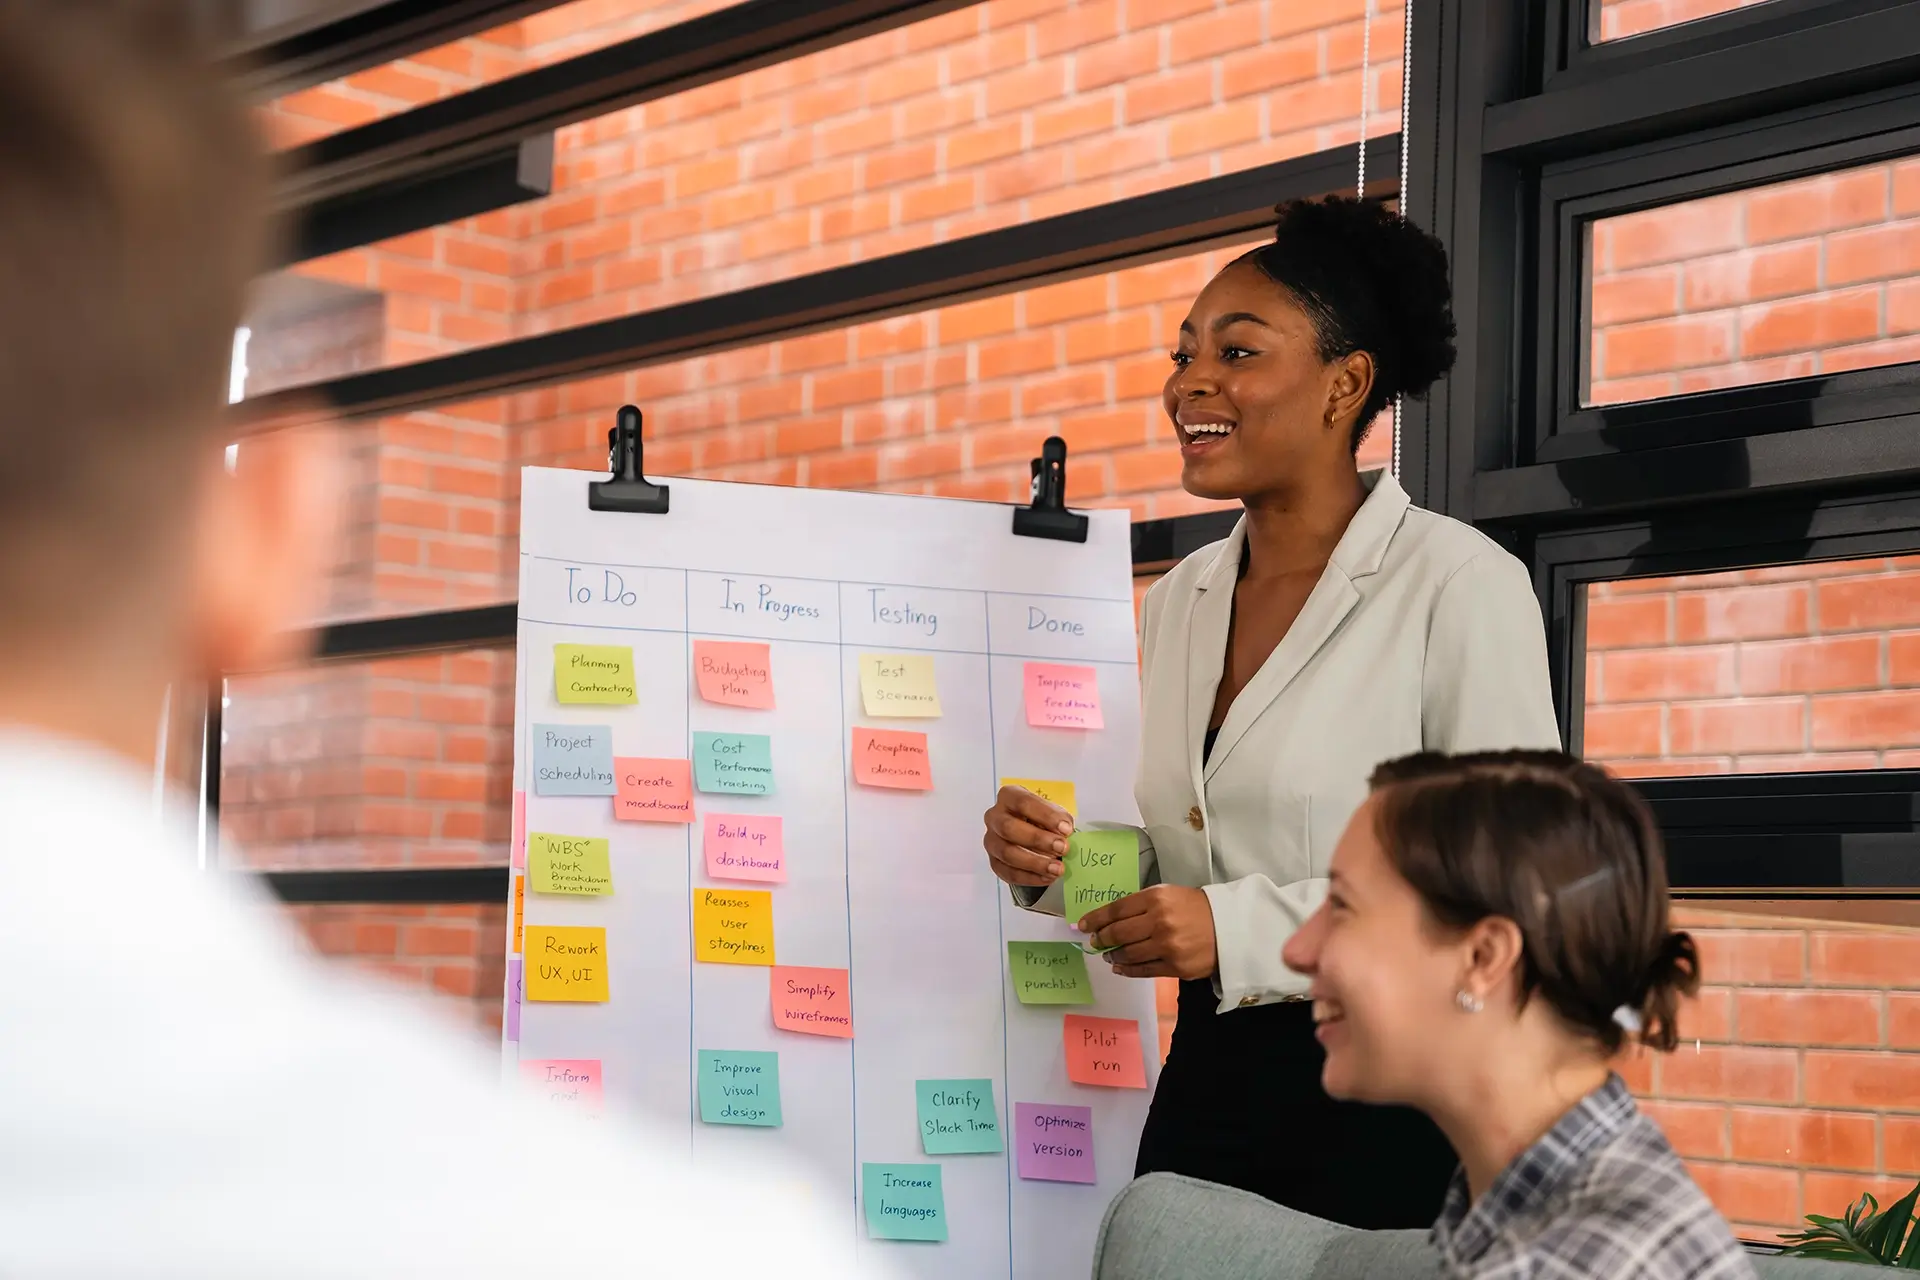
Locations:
(1104, 1051)
(519, 910)
(1060, 793)
(1049, 973)
(566, 962)
(1063, 697)
(740, 1086)
(892, 758)
(818, 1002)
(572, 760)
(898, 685)
(519, 858)
(1101, 867)
(569, 864)
(572, 1083)
(1053, 1143)
(733, 763)
(513, 999)
(903, 1201)
(594, 673)
(653, 790)
(733, 926)
(743, 846)
(734, 673)
(957, 1116)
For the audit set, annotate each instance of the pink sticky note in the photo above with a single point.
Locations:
(734, 673)
(816, 1001)
(652, 790)
(520, 829)
(1060, 697)
(513, 999)
(744, 846)
(565, 1082)
(1053, 1143)
(892, 758)
(1104, 1051)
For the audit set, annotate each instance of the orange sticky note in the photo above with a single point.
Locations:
(1104, 1051)
(817, 1002)
(734, 673)
(892, 758)
(652, 790)
(1062, 697)
(519, 910)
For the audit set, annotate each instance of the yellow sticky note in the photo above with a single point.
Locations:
(597, 673)
(733, 926)
(566, 962)
(899, 684)
(1060, 793)
(569, 864)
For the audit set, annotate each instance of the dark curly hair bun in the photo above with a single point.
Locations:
(1370, 281)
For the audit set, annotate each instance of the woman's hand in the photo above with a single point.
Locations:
(1162, 932)
(1026, 837)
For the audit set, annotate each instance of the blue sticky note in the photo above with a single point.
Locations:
(733, 763)
(572, 760)
(739, 1086)
(957, 1116)
(903, 1201)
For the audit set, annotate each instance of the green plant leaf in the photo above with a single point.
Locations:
(1885, 1235)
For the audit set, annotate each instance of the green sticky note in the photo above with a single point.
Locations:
(568, 864)
(733, 763)
(593, 673)
(1102, 867)
(739, 1086)
(1049, 973)
(903, 1201)
(957, 1116)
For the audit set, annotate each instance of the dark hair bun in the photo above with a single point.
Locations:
(1674, 974)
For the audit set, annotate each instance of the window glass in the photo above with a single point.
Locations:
(1618, 19)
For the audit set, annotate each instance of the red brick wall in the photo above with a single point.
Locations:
(452, 951)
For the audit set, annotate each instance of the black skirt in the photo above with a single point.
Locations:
(1240, 1102)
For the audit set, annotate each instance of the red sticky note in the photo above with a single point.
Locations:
(742, 846)
(520, 829)
(652, 790)
(892, 758)
(816, 1001)
(565, 1082)
(1062, 697)
(1104, 1051)
(734, 673)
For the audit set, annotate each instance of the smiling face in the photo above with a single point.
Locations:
(1255, 408)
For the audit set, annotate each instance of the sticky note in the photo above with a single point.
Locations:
(734, 673)
(597, 673)
(1101, 867)
(519, 909)
(903, 1201)
(566, 962)
(1061, 697)
(513, 999)
(744, 846)
(1104, 1051)
(1052, 1143)
(568, 864)
(1060, 793)
(818, 1002)
(1049, 973)
(652, 790)
(572, 1083)
(733, 926)
(733, 763)
(899, 685)
(957, 1116)
(519, 851)
(891, 758)
(740, 1086)
(572, 760)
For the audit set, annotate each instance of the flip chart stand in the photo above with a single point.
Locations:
(629, 489)
(1048, 517)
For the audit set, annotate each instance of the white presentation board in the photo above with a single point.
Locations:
(887, 884)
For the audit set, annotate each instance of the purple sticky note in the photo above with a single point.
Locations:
(513, 999)
(1053, 1143)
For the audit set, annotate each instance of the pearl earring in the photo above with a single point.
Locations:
(1468, 1002)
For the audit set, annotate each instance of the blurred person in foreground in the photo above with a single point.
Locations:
(182, 1091)
(1494, 934)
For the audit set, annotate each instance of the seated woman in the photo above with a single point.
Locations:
(1494, 932)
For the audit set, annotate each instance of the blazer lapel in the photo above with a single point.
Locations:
(1207, 644)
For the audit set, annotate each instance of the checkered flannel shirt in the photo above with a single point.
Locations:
(1602, 1195)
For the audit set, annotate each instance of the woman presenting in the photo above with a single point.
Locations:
(1337, 626)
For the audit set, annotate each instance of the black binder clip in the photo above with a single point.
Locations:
(1048, 517)
(629, 489)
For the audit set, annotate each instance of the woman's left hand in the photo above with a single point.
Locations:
(1162, 932)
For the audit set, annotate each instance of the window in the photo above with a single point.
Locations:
(1618, 19)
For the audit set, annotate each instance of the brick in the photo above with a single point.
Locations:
(1750, 275)
(1746, 1193)
(1671, 234)
(1659, 345)
(1869, 603)
(1080, 24)
(1813, 666)
(1900, 1138)
(1831, 1193)
(1076, 118)
(1814, 205)
(1783, 1136)
(1695, 1129)
(1806, 324)
(1639, 295)
(1028, 353)
(969, 147)
(1809, 1017)
(1168, 94)
(1651, 675)
(1707, 1015)
(1028, 86)
(1903, 1020)
(1839, 1078)
(938, 200)
(846, 470)
(1205, 132)
(1714, 728)
(1614, 732)
(1113, 62)
(1751, 955)
(1880, 958)
(439, 940)
(1884, 719)
(1730, 1072)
